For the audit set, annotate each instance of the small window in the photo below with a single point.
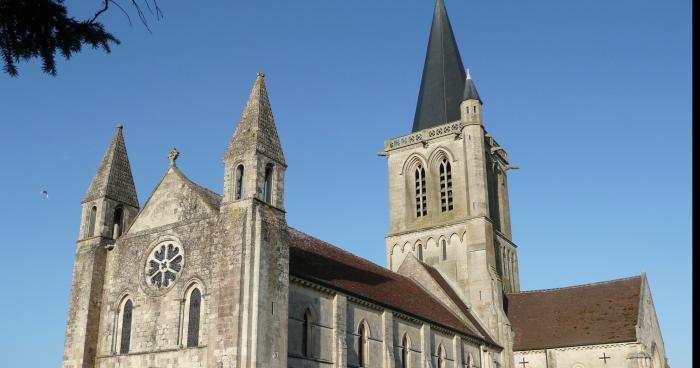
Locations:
(420, 252)
(421, 192)
(117, 223)
(443, 246)
(194, 313)
(239, 183)
(267, 184)
(306, 331)
(91, 221)
(126, 327)
(362, 346)
(441, 357)
(446, 200)
(405, 351)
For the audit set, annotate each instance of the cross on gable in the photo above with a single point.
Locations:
(523, 362)
(605, 358)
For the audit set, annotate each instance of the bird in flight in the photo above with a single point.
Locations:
(45, 194)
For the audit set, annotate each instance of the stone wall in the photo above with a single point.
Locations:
(387, 329)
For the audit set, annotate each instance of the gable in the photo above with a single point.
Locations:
(174, 200)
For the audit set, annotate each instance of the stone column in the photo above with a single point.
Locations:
(425, 347)
(457, 351)
(340, 350)
(388, 339)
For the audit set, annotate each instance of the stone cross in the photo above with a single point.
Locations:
(605, 358)
(173, 156)
(523, 362)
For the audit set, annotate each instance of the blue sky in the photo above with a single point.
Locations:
(591, 99)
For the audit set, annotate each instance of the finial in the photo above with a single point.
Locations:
(261, 75)
(173, 156)
(119, 126)
(469, 76)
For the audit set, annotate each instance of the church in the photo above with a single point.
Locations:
(193, 278)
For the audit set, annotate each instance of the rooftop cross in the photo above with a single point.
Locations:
(174, 154)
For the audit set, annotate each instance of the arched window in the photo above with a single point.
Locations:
(443, 247)
(91, 221)
(267, 184)
(238, 191)
(405, 352)
(362, 345)
(306, 331)
(441, 357)
(117, 222)
(193, 315)
(446, 201)
(126, 314)
(421, 190)
(420, 252)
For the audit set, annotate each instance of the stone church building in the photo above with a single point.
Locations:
(191, 278)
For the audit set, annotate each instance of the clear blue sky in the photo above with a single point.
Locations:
(592, 99)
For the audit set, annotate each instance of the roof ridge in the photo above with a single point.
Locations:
(578, 286)
(346, 251)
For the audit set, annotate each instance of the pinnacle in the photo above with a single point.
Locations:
(256, 130)
(113, 178)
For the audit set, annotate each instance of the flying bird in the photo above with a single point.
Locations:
(45, 194)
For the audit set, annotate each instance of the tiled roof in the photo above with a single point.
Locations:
(327, 265)
(600, 313)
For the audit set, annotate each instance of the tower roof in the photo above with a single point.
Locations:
(257, 129)
(442, 84)
(470, 92)
(113, 179)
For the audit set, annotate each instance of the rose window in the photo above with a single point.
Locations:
(163, 265)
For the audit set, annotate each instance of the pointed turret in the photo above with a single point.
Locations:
(110, 202)
(471, 106)
(470, 92)
(442, 84)
(257, 128)
(113, 179)
(254, 163)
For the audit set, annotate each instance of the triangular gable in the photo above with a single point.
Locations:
(433, 282)
(175, 199)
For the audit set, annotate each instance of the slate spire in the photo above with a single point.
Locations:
(442, 84)
(470, 92)
(256, 128)
(113, 179)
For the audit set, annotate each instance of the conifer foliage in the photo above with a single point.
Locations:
(41, 28)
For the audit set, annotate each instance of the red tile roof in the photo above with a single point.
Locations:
(327, 265)
(599, 313)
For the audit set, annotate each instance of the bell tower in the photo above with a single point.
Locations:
(448, 197)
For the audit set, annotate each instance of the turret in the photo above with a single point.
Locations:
(254, 163)
(471, 106)
(109, 206)
(110, 203)
(253, 205)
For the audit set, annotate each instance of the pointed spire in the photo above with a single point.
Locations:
(443, 78)
(257, 128)
(470, 92)
(113, 179)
